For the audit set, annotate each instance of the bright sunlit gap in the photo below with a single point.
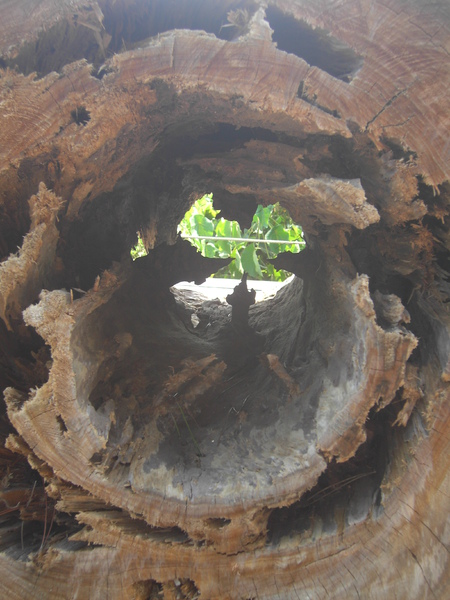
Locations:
(271, 232)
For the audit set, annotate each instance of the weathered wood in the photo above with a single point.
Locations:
(151, 447)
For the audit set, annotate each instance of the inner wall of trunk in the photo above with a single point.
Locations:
(240, 422)
(241, 425)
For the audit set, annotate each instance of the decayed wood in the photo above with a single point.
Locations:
(23, 276)
(304, 454)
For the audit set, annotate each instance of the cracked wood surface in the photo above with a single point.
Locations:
(146, 456)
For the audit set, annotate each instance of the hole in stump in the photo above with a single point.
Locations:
(80, 115)
(314, 45)
(217, 523)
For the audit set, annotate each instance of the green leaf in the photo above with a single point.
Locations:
(270, 272)
(223, 249)
(238, 264)
(224, 228)
(204, 206)
(210, 250)
(139, 250)
(202, 225)
(236, 230)
(198, 244)
(250, 262)
(295, 233)
(262, 216)
(278, 233)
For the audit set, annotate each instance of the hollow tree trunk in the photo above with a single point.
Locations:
(303, 456)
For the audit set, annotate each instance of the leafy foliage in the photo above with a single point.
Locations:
(269, 223)
(139, 250)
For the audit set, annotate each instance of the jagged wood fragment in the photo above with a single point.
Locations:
(23, 275)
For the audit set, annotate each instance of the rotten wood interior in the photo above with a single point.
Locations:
(152, 446)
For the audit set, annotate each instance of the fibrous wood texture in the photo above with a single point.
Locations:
(152, 445)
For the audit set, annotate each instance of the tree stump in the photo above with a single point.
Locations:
(147, 454)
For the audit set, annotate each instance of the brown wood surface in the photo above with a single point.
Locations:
(152, 447)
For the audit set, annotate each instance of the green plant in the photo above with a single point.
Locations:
(217, 237)
(271, 222)
(139, 250)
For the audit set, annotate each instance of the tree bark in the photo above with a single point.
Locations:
(151, 447)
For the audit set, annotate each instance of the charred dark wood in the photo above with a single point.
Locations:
(240, 300)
